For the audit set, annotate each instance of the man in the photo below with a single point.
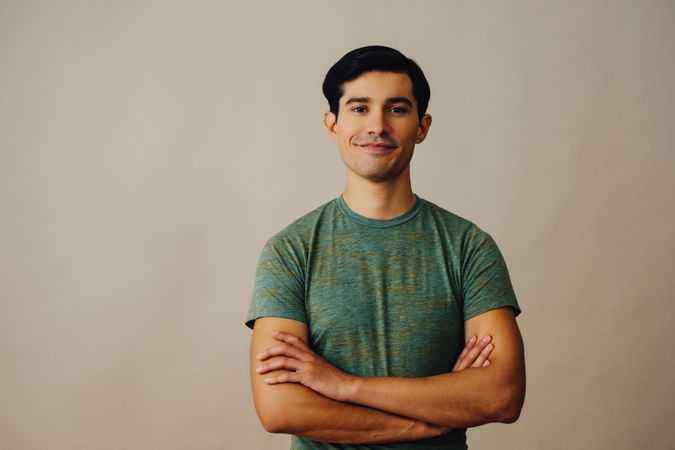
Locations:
(361, 307)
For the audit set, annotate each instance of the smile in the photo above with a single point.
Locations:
(377, 149)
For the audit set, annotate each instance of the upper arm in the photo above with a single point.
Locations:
(295, 409)
(507, 360)
(269, 399)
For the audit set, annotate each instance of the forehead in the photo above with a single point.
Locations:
(378, 86)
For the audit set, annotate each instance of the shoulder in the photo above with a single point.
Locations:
(446, 216)
(450, 221)
(299, 233)
(460, 230)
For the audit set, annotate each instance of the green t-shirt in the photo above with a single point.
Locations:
(382, 297)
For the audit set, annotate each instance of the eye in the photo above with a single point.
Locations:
(397, 109)
(359, 109)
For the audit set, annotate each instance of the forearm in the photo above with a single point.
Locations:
(301, 411)
(456, 400)
(462, 398)
(297, 409)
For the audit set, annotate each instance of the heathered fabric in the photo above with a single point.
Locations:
(382, 297)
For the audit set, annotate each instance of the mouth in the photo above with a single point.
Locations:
(377, 148)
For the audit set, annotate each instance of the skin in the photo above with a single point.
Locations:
(376, 131)
(309, 369)
(296, 409)
(378, 175)
(463, 398)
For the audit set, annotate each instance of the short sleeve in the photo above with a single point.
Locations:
(486, 284)
(279, 289)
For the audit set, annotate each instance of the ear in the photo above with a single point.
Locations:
(330, 121)
(423, 129)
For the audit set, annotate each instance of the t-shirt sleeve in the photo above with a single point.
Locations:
(279, 289)
(486, 284)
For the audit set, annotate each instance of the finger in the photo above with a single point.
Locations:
(285, 350)
(291, 339)
(288, 377)
(486, 363)
(473, 353)
(280, 363)
(471, 350)
(282, 350)
(469, 345)
(483, 355)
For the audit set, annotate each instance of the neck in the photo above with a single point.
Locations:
(379, 200)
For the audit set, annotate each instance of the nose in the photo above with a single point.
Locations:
(378, 124)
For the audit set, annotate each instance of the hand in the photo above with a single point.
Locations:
(307, 368)
(472, 356)
(475, 355)
(423, 430)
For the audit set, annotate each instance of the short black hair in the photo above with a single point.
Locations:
(374, 58)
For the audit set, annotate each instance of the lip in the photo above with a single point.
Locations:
(377, 149)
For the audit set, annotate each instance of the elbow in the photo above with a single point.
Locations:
(271, 424)
(509, 414)
(277, 419)
(273, 421)
(283, 408)
(510, 405)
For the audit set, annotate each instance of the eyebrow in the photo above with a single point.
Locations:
(389, 100)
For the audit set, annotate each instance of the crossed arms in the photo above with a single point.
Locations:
(297, 392)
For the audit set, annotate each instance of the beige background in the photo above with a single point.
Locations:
(149, 148)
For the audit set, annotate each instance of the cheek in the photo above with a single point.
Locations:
(345, 142)
(343, 147)
(414, 128)
(414, 133)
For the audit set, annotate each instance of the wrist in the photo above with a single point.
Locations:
(422, 430)
(352, 387)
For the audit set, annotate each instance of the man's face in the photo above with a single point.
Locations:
(378, 125)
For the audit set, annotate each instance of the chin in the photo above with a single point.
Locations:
(381, 176)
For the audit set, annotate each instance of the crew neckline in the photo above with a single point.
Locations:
(379, 223)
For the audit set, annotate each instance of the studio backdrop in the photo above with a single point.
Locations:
(148, 149)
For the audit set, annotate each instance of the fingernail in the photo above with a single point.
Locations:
(259, 368)
(473, 338)
(489, 347)
(486, 339)
(269, 380)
